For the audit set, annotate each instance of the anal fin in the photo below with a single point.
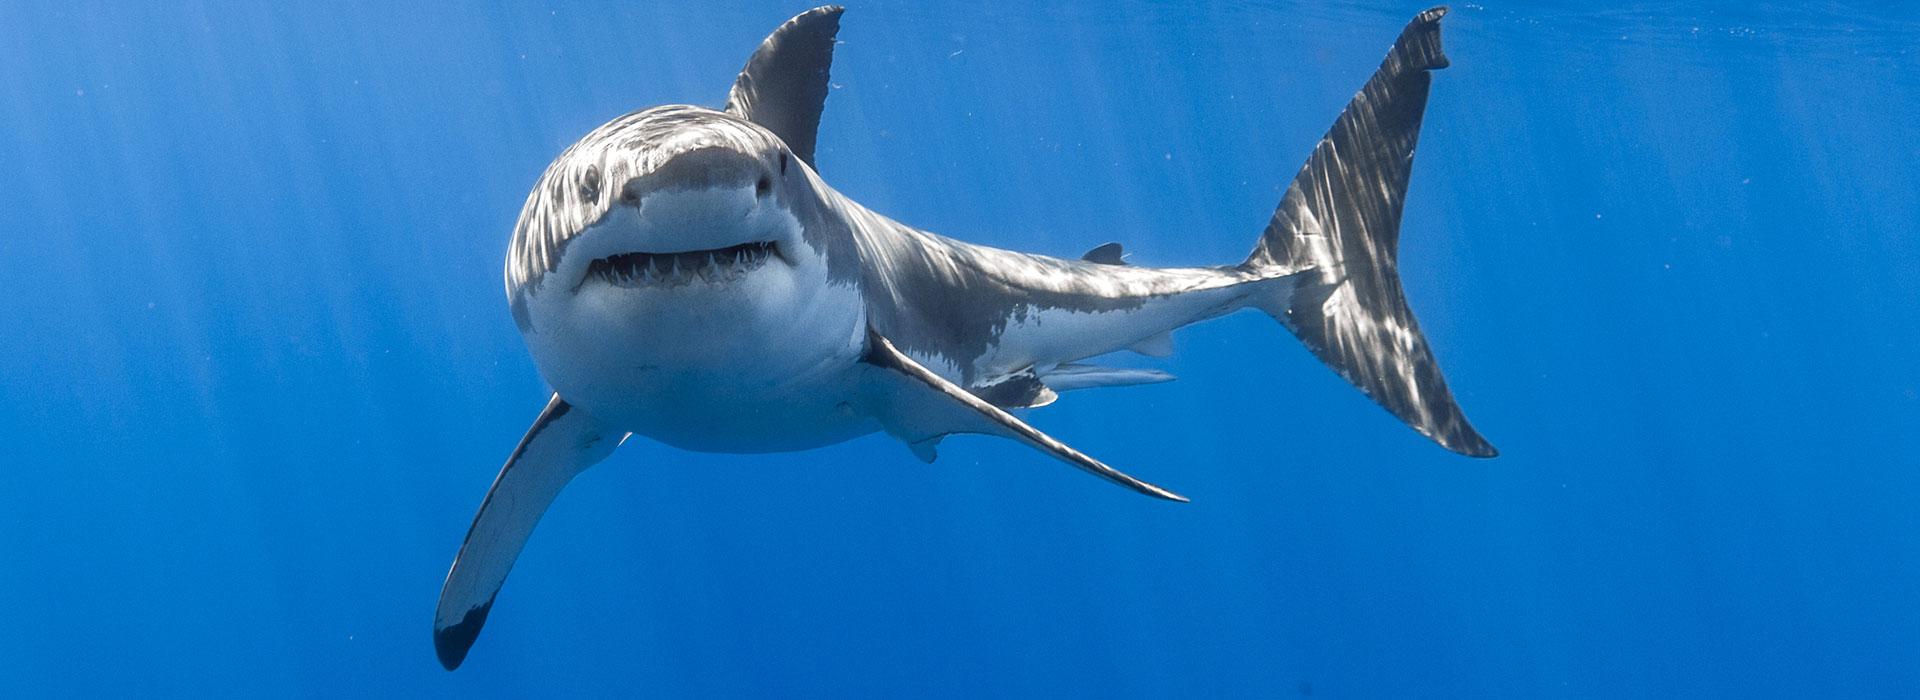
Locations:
(1156, 345)
(917, 405)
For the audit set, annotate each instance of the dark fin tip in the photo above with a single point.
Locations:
(1469, 443)
(452, 643)
(829, 13)
(1419, 44)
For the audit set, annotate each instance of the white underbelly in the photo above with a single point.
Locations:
(760, 366)
(733, 413)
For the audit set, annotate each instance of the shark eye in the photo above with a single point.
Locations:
(590, 184)
(783, 162)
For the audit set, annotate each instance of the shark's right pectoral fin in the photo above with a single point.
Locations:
(919, 407)
(562, 443)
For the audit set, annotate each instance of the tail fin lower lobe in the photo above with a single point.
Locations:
(1338, 227)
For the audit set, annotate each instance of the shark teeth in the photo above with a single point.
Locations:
(717, 266)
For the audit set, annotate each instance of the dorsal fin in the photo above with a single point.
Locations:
(784, 85)
(1107, 254)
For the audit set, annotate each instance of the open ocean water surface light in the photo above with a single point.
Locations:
(258, 372)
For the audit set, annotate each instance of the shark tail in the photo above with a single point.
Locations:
(1336, 236)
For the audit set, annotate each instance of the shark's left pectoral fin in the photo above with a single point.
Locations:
(919, 407)
(784, 85)
(562, 443)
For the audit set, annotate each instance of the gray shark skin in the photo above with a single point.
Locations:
(685, 275)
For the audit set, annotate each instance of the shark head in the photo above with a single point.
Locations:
(667, 199)
(672, 248)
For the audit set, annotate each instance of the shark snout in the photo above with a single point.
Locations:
(706, 216)
(704, 168)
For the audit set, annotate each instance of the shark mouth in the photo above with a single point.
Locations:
(717, 266)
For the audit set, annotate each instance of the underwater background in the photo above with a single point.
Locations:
(257, 371)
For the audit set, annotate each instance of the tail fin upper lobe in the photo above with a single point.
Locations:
(1339, 227)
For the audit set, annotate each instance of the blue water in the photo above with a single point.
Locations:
(258, 371)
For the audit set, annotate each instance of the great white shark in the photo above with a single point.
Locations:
(684, 274)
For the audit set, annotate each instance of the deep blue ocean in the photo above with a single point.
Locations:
(257, 371)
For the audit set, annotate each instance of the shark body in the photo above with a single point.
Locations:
(684, 274)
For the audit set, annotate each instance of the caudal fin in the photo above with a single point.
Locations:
(1339, 228)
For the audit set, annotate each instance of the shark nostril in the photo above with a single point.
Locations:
(763, 187)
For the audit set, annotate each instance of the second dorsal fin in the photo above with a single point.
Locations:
(1106, 254)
